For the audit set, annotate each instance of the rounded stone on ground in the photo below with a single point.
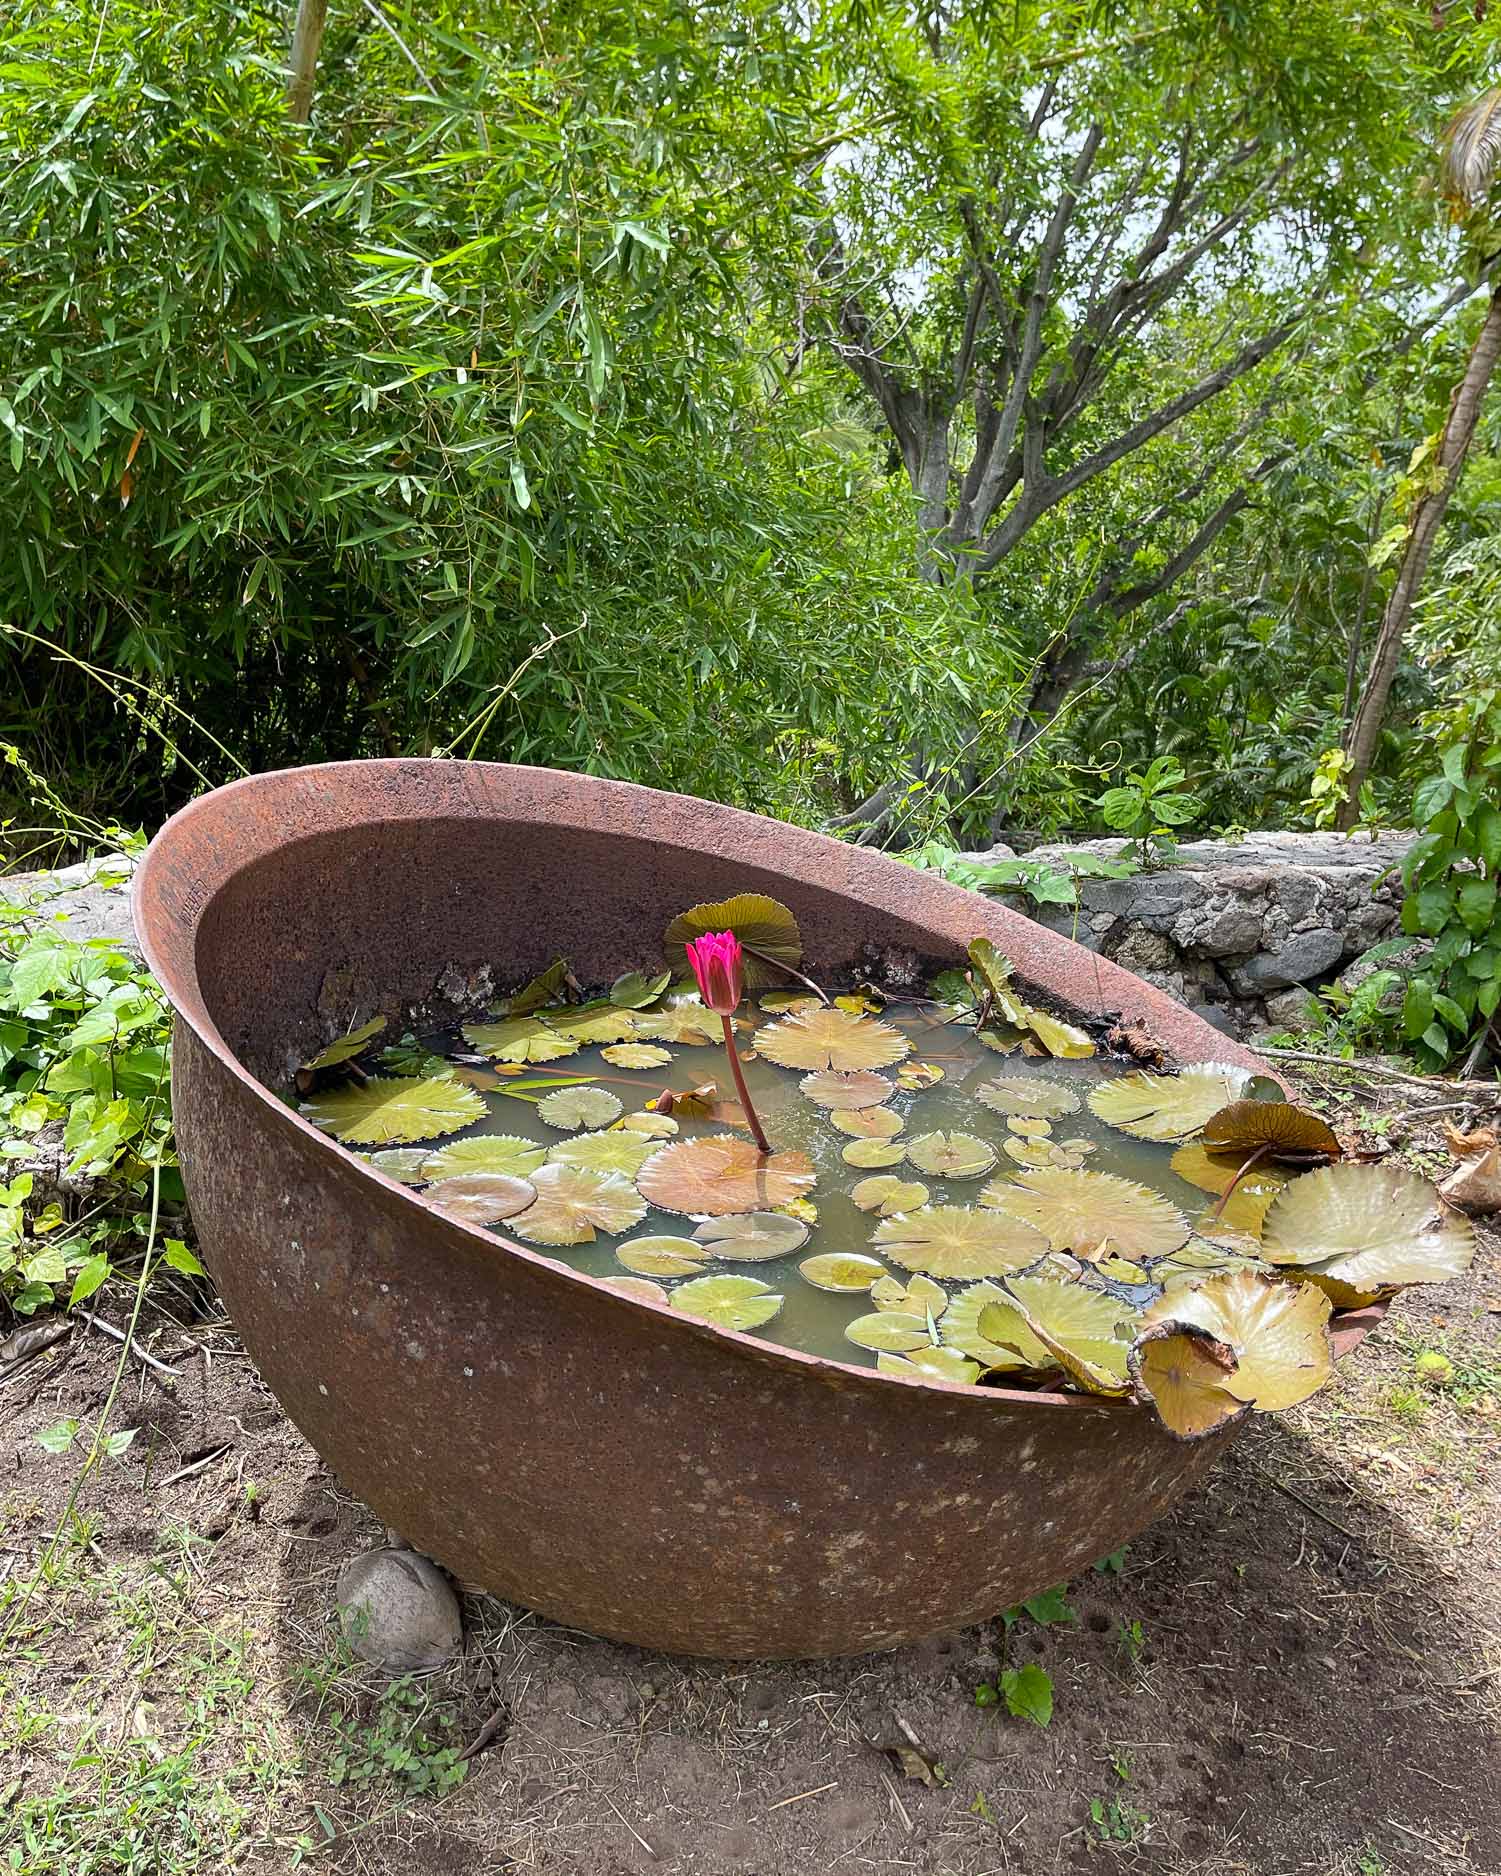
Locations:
(398, 1611)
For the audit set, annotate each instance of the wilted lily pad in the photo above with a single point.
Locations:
(1183, 1369)
(1204, 1257)
(762, 925)
(579, 1107)
(346, 1048)
(889, 1330)
(1245, 1209)
(634, 992)
(931, 1364)
(1150, 1106)
(573, 1203)
(833, 1088)
(485, 1153)
(641, 1288)
(888, 1194)
(636, 1055)
(842, 1271)
(752, 1237)
(482, 1198)
(829, 1038)
(1059, 1038)
(617, 1151)
(394, 1109)
(951, 1155)
(868, 1123)
(912, 1077)
(869, 1153)
(953, 1241)
(662, 1257)
(1080, 1211)
(1029, 1095)
(601, 1022)
(1287, 1132)
(1049, 1323)
(728, 1302)
(519, 1039)
(1369, 1228)
(959, 1327)
(716, 1175)
(1279, 1333)
(405, 1163)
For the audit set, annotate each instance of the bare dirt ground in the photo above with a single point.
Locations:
(1298, 1673)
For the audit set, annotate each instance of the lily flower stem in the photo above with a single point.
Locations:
(777, 965)
(740, 1088)
(1219, 1211)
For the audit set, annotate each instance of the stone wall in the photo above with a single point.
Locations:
(1243, 931)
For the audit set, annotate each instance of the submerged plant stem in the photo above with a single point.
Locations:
(738, 1072)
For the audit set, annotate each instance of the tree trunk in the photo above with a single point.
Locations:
(1422, 529)
(307, 37)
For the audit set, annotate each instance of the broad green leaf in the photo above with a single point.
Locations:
(390, 1110)
(1028, 1693)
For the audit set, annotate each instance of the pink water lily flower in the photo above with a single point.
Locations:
(719, 966)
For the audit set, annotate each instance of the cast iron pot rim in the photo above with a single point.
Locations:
(184, 994)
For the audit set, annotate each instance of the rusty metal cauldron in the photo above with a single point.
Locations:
(613, 1464)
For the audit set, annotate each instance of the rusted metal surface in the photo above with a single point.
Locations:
(613, 1464)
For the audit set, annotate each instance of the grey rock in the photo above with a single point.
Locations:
(1143, 949)
(397, 1610)
(89, 900)
(1290, 1009)
(1300, 957)
(991, 856)
(1217, 1017)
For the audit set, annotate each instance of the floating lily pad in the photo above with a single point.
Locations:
(728, 1302)
(641, 1288)
(651, 1126)
(1288, 1133)
(485, 1153)
(951, 1155)
(888, 1194)
(869, 1153)
(918, 1296)
(1246, 1208)
(1120, 1269)
(1150, 1106)
(484, 1079)
(636, 1055)
(953, 1241)
(519, 1039)
(778, 1002)
(1202, 1257)
(1029, 1127)
(685, 1021)
(1279, 1333)
(633, 991)
(716, 1175)
(1073, 1327)
(1079, 1211)
(617, 1151)
(762, 925)
(1034, 1153)
(482, 1198)
(579, 1107)
(573, 1203)
(393, 1110)
(752, 1237)
(662, 1256)
(912, 1077)
(1029, 1095)
(1369, 1228)
(1065, 1040)
(1182, 1370)
(841, 1271)
(868, 1123)
(602, 1023)
(402, 1162)
(346, 1048)
(959, 1327)
(837, 1089)
(1004, 1041)
(829, 1038)
(889, 1330)
(931, 1364)
(541, 990)
(803, 1209)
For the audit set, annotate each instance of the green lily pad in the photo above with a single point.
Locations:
(889, 1330)
(1028, 1095)
(662, 1256)
(1065, 1324)
(649, 1125)
(402, 1162)
(346, 1048)
(636, 1055)
(685, 1021)
(846, 1088)
(595, 1024)
(579, 1107)
(1368, 1228)
(573, 1203)
(617, 1151)
(752, 1237)
(918, 1296)
(761, 924)
(931, 1364)
(519, 1039)
(841, 1271)
(820, 1038)
(868, 1123)
(394, 1110)
(887, 1194)
(951, 1155)
(959, 1327)
(727, 1302)
(1084, 1212)
(633, 991)
(485, 1153)
(873, 1153)
(954, 1241)
(1150, 1106)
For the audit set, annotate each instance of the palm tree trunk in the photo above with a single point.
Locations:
(1422, 529)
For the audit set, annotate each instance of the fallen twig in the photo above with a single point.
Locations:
(119, 1335)
(1490, 1090)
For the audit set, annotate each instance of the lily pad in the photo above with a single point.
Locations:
(1059, 1038)
(641, 1288)
(649, 1125)
(869, 1153)
(728, 1302)
(953, 1241)
(636, 1055)
(778, 1002)
(1279, 1333)
(633, 991)
(841, 1271)
(1202, 1257)
(834, 1089)
(402, 1162)
(762, 925)
(918, 1296)
(394, 1110)
(888, 1194)
(573, 1203)
(617, 1151)
(1150, 1106)
(1030, 1128)
(829, 1038)
(1246, 1207)
(482, 1198)
(519, 1039)
(1034, 1153)
(1370, 1228)
(716, 1175)
(1029, 1095)
(1072, 1326)
(752, 1237)
(346, 1048)
(1182, 1369)
(579, 1107)
(931, 1364)
(868, 1123)
(1080, 1211)
(1286, 1132)
(951, 1155)
(913, 1077)
(685, 1021)
(485, 1153)
(959, 1327)
(889, 1330)
(601, 1023)
(662, 1256)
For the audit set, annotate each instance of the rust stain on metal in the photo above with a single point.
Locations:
(613, 1464)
